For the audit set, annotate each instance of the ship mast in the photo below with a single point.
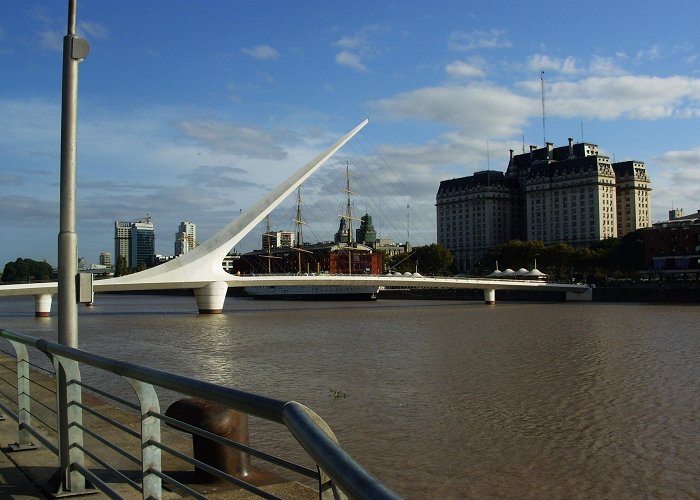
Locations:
(348, 214)
(268, 241)
(299, 224)
(348, 210)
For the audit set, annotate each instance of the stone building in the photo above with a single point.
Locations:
(569, 194)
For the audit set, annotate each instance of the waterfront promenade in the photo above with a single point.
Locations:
(28, 473)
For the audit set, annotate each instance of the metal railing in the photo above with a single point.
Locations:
(337, 474)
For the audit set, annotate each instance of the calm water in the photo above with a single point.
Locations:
(447, 399)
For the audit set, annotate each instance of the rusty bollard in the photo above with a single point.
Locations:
(223, 422)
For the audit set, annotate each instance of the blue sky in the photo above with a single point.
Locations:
(193, 110)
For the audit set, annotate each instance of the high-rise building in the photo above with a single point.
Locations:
(135, 241)
(143, 243)
(106, 259)
(569, 194)
(122, 241)
(185, 238)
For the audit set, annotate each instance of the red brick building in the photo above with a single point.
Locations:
(673, 246)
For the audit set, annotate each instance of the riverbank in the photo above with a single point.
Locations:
(600, 294)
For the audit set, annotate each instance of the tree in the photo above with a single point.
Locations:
(620, 257)
(26, 270)
(430, 260)
(513, 254)
(122, 267)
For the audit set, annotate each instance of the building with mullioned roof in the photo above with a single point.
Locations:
(570, 194)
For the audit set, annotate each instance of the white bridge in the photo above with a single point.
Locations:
(201, 268)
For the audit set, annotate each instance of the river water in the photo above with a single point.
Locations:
(446, 399)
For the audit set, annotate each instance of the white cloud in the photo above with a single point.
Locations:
(676, 182)
(248, 142)
(51, 40)
(92, 29)
(262, 52)
(358, 41)
(605, 66)
(627, 96)
(650, 54)
(461, 69)
(482, 109)
(566, 66)
(478, 39)
(682, 159)
(355, 49)
(351, 60)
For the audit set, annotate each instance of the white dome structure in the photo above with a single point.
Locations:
(535, 274)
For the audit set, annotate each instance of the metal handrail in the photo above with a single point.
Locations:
(335, 465)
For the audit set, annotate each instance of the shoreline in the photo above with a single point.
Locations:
(600, 294)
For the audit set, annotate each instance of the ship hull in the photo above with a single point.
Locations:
(312, 292)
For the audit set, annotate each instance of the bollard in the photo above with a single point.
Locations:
(219, 420)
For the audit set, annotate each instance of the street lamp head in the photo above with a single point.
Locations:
(79, 48)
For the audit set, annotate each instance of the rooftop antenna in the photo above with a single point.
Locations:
(488, 156)
(408, 223)
(544, 130)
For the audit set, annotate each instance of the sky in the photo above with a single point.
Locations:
(194, 110)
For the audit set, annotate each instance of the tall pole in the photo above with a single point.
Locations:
(299, 235)
(75, 49)
(544, 130)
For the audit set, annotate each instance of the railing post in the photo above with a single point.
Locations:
(327, 490)
(150, 433)
(24, 414)
(70, 433)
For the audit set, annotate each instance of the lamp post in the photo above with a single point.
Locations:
(75, 49)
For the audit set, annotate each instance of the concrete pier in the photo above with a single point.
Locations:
(42, 305)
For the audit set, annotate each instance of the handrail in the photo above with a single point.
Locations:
(253, 404)
(307, 428)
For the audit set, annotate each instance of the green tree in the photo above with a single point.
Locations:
(513, 254)
(618, 257)
(430, 260)
(26, 270)
(122, 268)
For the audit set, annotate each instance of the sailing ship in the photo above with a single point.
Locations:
(344, 249)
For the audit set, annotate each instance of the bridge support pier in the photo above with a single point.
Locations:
(42, 305)
(210, 298)
(489, 296)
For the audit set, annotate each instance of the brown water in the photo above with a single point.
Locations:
(447, 399)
